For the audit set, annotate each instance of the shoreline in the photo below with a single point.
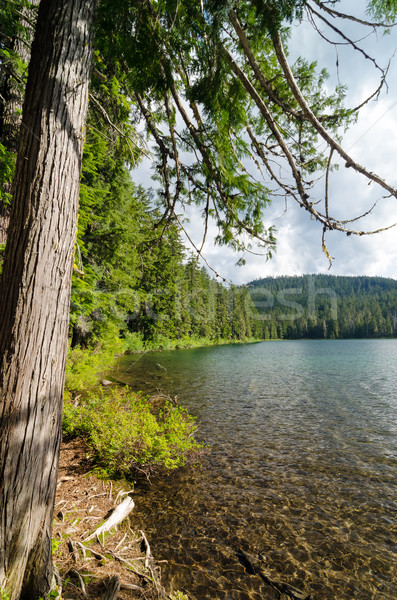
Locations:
(88, 568)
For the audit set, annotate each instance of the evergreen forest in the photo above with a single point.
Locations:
(326, 306)
(135, 282)
(137, 288)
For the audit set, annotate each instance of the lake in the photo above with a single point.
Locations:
(296, 494)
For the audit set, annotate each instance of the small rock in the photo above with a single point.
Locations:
(106, 382)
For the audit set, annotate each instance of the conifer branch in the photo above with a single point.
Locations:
(335, 13)
(317, 125)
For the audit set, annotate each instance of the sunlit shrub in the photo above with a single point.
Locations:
(126, 436)
(84, 366)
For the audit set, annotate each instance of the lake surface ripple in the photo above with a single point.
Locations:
(296, 496)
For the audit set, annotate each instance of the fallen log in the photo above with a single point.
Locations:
(119, 514)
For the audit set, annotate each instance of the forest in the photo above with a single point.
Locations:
(325, 307)
(130, 282)
(91, 262)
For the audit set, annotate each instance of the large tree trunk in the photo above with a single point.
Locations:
(35, 291)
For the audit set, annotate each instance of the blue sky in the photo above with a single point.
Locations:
(371, 142)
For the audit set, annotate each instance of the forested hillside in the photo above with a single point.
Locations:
(326, 306)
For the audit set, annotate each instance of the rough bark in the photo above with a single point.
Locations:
(35, 291)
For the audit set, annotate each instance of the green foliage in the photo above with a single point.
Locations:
(272, 13)
(132, 280)
(7, 168)
(127, 437)
(133, 342)
(383, 10)
(55, 544)
(83, 367)
(325, 306)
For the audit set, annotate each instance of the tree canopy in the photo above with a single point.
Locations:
(232, 124)
(205, 89)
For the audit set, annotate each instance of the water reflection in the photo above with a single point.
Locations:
(296, 495)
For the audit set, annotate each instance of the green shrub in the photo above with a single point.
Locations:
(84, 366)
(127, 437)
(133, 342)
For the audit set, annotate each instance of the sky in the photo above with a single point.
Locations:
(372, 142)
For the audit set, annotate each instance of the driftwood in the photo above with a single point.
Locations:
(106, 382)
(113, 589)
(119, 514)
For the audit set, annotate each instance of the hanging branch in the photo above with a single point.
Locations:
(383, 80)
(117, 129)
(199, 253)
(206, 212)
(273, 128)
(335, 13)
(348, 40)
(280, 143)
(302, 199)
(310, 116)
(267, 88)
(178, 185)
(271, 92)
(259, 150)
(327, 183)
(211, 168)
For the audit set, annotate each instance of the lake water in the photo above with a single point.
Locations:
(296, 496)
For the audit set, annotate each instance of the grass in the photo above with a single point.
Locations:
(163, 343)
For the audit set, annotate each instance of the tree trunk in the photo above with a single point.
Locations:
(35, 291)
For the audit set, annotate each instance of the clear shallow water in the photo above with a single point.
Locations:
(296, 496)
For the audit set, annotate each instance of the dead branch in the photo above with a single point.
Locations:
(149, 556)
(118, 515)
(81, 581)
(348, 40)
(335, 13)
(132, 587)
(311, 117)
